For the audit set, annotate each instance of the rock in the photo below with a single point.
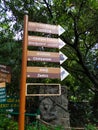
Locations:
(54, 110)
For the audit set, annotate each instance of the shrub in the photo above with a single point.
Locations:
(90, 127)
(7, 124)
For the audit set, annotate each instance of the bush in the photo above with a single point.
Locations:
(90, 127)
(43, 127)
(7, 124)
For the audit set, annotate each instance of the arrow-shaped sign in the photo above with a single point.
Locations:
(62, 57)
(64, 73)
(46, 28)
(45, 42)
(46, 72)
(46, 56)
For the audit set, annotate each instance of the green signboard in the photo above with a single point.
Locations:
(2, 94)
(11, 104)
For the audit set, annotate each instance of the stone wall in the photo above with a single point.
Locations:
(54, 110)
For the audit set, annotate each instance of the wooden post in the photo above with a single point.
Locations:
(23, 76)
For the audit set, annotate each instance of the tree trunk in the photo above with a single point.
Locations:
(95, 108)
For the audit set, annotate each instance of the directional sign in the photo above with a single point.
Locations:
(43, 72)
(5, 69)
(43, 56)
(5, 77)
(46, 72)
(5, 73)
(46, 28)
(45, 42)
(46, 56)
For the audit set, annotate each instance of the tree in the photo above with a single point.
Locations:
(81, 35)
(10, 49)
(79, 19)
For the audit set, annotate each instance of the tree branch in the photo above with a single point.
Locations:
(58, 104)
(48, 7)
(87, 72)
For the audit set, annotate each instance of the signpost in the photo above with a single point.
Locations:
(39, 72)
(46, 56)
(45, 42)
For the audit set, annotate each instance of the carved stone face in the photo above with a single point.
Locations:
(48, 111)
(54, 109)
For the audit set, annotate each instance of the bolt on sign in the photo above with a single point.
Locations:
(5, 74)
